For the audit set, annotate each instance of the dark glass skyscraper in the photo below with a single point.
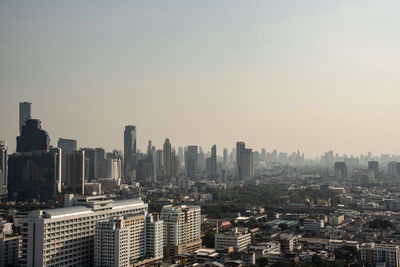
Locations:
(3, 167)
(24, 114)
(34, 171)
(33, 137)
(129, 149)
(67, 147)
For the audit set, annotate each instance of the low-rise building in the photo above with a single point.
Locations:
(238, 238)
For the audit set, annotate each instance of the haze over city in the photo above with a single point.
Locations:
(288, 75)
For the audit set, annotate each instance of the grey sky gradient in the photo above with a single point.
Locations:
(309, 75)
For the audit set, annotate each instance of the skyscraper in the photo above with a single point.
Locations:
(246, 163)
(240, 146)
(3, 167)
(213, 173)
(340, 170)
(129, 150)
(67, 146)
(24, 114)
(34, 172)
(191, 162)
(33, 137)
(167, 158)
(225, 157)
(76, 172)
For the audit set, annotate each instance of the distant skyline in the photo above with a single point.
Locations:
(292, 75)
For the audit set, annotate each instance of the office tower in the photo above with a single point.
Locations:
(76, 172)
(3, 167)
(240, 146)
(158, 159)
(373, 165)
(214, 161)
(129, 150)
(145, 170)
(34, 172)
(180, 155)
(167, 158)
(67, 146)
(65, 236)
(225, 157)
(181, 229)
(33, 137)
(394, 169)
(89, 155)
(246, 163)
(24, 114)
(174, 164)
(192, 160)
(340, 170)
(154, 236)
(99, 156)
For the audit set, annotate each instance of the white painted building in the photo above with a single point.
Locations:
(239, 239)
(65, 236)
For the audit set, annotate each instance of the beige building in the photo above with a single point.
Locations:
(239, 239)
(181, 229)
(372, 253)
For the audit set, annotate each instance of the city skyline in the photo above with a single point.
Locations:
(289, 76)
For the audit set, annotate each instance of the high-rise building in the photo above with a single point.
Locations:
(246, 163)
(33, 137)
(111, 244)
(67, 146)
(3, 167)
(34, 172)
(181, 229)
(340, 170)
(225, 157)
(99, 164)
(89, 163)
(180, 155)
(373, 165)
(158, 159)
(154, 236)
(129, 149)
(24, 114)
(76, 172)
(65, 236)
(192, 161)
(214, 161)
(167, 158)
(240, 146)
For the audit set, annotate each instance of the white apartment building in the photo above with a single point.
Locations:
(181, 229)
(239, 239)
(111, 244)
(155, 236)
(65, 236)
(372, 253)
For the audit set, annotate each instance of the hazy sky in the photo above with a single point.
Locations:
(308, 75)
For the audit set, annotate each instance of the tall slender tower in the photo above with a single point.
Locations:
(214, 161)
(24, 114)
(167, 158)
(129, 149)
(240, 146)
(3, 167)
